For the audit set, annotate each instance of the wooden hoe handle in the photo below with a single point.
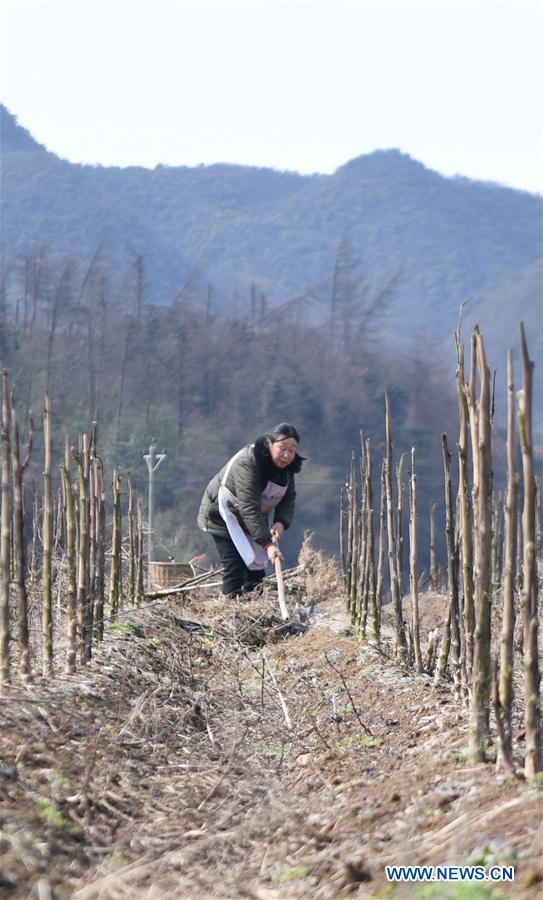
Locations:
(280, 585)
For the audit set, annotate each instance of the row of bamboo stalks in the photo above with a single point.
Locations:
(81, 554)
(493, 553)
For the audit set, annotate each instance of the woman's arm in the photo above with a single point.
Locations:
(285, 509)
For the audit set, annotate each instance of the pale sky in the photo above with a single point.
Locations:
(289, 84)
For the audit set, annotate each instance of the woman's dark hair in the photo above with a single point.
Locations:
(283, 430)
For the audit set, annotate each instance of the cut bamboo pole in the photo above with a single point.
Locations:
(35, 529)
(382, 542)
(100, 574)
(342, 541)
(452, 571)
(131, 586)
(353, 539)
(371, 595)
(5, 548)
(93, 525)
(401, 641)
(399, 521)
(47, 539)
(483, 562)
(140, 589)
(505, 689)
(434, 566)
(115, 574)
(83, 600)
(19, 543)
(413, 562)
(532, 677)
(71, 575)
(497, 541)
(361, 610)
(466, 534)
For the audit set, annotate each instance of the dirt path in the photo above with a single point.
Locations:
(202, 765)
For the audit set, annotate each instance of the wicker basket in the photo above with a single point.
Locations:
(169, 574)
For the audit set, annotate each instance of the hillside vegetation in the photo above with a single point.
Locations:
(441, 241)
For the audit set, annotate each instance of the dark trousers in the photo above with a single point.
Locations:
(236, 577)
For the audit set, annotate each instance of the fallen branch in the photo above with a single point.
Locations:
(195, 581)
(350, 696)
(279, 694)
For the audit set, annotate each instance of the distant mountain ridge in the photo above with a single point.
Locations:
(446, 239)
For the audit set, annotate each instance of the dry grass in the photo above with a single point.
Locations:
(229, 760)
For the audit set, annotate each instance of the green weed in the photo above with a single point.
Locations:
(456, 892)
(385, 893)
(361, 740)
(259, 828)
(490, 750)
(55, 818)
(458, 757)
(60, 779)
(297, 872)
(536, 781)
(487, 855)
(128, 627)
(266, 827)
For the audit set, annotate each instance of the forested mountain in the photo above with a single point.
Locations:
(201, 305)
(394, 229)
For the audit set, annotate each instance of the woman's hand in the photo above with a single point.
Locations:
(278, 530)
(273, 553)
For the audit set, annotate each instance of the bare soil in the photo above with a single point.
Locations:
(239, 762)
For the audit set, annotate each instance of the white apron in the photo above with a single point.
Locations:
(253, 555)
